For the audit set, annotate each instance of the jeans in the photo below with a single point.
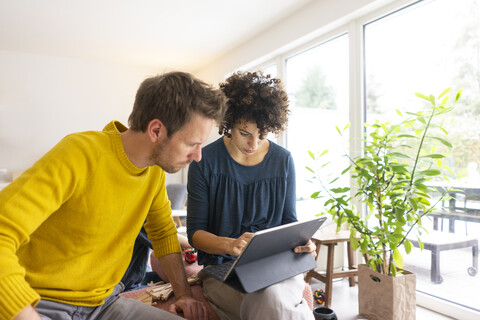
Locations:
(114, 308)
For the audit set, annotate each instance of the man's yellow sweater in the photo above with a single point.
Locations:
(68, 224)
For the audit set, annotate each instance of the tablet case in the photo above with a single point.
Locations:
(268, 258)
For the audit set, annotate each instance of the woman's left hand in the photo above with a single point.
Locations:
(309, 247)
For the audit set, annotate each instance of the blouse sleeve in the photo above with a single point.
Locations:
(290, 212)
(197, 205)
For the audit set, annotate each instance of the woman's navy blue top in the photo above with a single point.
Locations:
(227, 199)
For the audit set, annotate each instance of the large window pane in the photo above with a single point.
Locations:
(317, 83)
(426, 48)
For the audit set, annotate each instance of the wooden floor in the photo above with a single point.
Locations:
(345, 302)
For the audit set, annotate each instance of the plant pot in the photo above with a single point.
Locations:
(382, 297)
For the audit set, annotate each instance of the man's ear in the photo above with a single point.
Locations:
(156, 130)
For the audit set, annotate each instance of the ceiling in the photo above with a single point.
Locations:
(172, 34)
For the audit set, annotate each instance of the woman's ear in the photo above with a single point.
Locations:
(156, 130)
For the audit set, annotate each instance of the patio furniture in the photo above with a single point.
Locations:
(437, 241)
(463, 205)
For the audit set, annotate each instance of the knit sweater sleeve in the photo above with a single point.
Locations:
(24, 205)
(160, 226)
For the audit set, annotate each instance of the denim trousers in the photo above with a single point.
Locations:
(114, 308)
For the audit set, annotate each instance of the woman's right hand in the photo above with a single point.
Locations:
(239, 244)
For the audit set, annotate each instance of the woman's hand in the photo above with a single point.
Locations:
(309, 247)
(239, 244)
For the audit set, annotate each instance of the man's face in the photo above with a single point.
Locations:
(184, 146)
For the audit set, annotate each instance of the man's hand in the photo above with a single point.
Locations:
(309, 247)
(192, 309)
(27, 313)
(239, 244)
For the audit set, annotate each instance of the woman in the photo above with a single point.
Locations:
(245, 183)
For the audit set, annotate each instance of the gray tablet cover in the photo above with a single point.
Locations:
(269, 258)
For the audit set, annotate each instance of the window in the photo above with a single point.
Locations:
(426, 48)
(423, 47)
(317, 84)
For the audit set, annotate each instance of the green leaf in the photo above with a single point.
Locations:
(445, 100)
(444, 92)
(398, 168)
(346, 170)
(443, 141)
(397, 257)
(338, 129)
(434, 156)
(340, 190)
(334, 180)
(353, 241)
(420, 244)
(407, 136)
(459, 93)
(407, 245)
(308, 168)
(312, 155)
(399, 155)
(396, 238)
(394, 270)
(431, 172)
(413, 203)
(422, 96)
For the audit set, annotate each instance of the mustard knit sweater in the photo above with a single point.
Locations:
(68, 224)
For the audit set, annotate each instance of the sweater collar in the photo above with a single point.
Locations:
(114, 128)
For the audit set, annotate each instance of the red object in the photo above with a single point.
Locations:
(190, 255)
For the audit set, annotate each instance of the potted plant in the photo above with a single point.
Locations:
(391, 181)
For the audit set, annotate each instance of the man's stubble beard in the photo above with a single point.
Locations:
(159, 159)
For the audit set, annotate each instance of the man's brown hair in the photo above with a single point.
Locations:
(173, 98)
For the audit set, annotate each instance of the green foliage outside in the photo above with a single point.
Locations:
(314, 92)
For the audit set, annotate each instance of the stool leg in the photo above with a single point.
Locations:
(351, 263)
(328, 283)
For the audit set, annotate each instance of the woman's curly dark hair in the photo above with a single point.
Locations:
(255, 97)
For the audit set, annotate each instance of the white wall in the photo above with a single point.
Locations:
(43, 98)
(302, 26)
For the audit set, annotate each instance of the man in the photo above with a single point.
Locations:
(68, 224)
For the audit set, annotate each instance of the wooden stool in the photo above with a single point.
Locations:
(331, 239)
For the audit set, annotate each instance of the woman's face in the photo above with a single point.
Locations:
(246, 137)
